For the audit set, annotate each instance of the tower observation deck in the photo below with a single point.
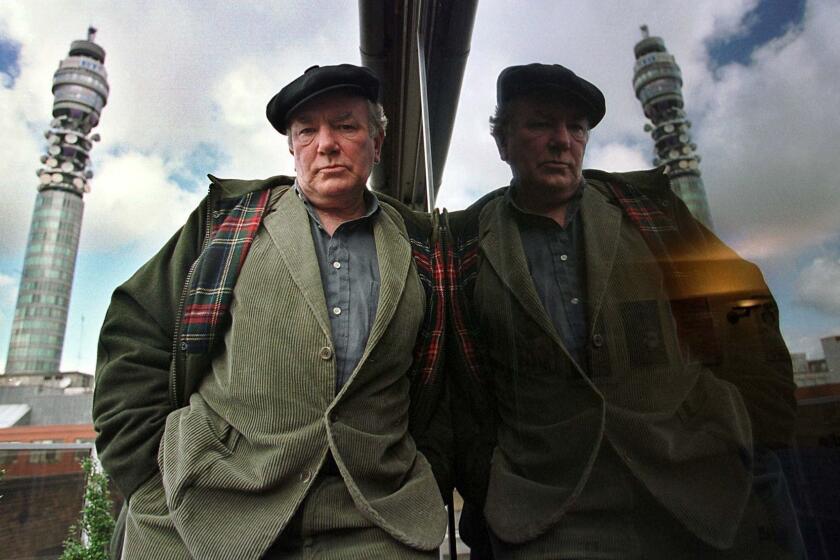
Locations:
(80, 90)
(657, 81)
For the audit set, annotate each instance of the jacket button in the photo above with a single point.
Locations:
(183, 346)
(306, 476)
(325, 353)
(597, 340)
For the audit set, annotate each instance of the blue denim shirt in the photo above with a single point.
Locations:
(350, 278)
(558, 269)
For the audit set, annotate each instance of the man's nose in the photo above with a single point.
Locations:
(327, 141)
(560, 136)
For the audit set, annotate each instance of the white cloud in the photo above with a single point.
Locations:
(21, 147)
(134, 204)
(819, 285)
(616, 157)
(769, 141)
(240, 92)
(8, 289)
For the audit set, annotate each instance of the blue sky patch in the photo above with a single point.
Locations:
(205, 158)
(9, 56)
(769, 20)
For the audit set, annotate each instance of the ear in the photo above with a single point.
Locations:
(501, 145)
(378, 140)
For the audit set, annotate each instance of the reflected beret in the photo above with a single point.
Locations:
(519, 80)
(315, 81)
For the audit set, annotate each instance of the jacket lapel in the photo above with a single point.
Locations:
(393, 251)
(288, 228)
(601, 231)
(501, 244)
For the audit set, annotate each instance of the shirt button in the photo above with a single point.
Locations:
(336, 311)
(597, 340)
(306, 476)
(575, 301)
(325, 353)
(564, 257)
(336, 265)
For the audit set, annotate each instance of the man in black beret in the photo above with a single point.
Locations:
(254, 377)
(596, 412)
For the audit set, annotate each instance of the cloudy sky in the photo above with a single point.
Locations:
(189, 82)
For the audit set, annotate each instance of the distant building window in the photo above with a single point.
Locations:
(43, 456)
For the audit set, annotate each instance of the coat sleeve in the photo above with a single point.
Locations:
(132, 392)
(754, 356)
(473, 412)
(435, 441)
(430, 422)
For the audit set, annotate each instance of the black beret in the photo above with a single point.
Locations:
(518, 80)
(315, 81)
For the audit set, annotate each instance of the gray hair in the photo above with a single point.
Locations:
(500, 123)
(377, 121)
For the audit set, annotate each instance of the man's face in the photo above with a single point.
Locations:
(544, 146)
(331, 143)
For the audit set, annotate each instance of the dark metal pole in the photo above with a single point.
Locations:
(453, 545)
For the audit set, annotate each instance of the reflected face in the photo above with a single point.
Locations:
(544, 145)
(332, 146)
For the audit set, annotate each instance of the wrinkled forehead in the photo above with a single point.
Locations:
(548, 103)
(332, 106)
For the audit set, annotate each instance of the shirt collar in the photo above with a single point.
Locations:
(572, 208)
(371, 205)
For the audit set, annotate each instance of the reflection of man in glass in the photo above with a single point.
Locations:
(609, 408)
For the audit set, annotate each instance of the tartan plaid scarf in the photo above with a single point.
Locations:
(428, 251)
(665, 240)
(658, 230)
(234, 225)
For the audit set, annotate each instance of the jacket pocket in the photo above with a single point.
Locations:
(195, 437)
(714, 408)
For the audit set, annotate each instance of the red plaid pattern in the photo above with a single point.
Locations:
(213, 275)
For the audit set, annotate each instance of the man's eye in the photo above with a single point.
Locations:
(538, 125)
(305, 135)
(347, 127)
